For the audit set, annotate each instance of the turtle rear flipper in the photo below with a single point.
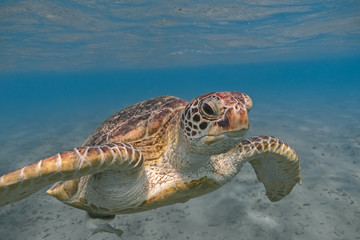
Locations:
(68, 165)
(100, 223)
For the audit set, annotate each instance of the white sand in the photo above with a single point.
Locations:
(325, 206)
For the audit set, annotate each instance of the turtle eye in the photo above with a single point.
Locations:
(210, 108)
(207, 109)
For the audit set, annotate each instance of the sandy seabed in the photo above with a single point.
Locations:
(325, 206)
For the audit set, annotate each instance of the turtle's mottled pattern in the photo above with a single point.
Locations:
(155, 153)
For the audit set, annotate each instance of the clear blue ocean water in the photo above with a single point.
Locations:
(65, 66)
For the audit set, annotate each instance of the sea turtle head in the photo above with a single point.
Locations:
(215, 122)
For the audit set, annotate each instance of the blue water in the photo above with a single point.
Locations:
(65, 66)
(53, 95)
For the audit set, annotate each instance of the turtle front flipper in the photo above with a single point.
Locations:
(275, 163)
(68, 165)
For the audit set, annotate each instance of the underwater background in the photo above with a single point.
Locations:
(65, 66)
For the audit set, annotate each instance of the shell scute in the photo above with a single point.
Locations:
(137, 122)
(157, 120)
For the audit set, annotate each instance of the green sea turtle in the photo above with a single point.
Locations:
(156, 153)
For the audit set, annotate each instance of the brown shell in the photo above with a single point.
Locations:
(143, 125)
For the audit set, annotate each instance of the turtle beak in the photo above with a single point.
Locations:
(238, 119)
(238, 122)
